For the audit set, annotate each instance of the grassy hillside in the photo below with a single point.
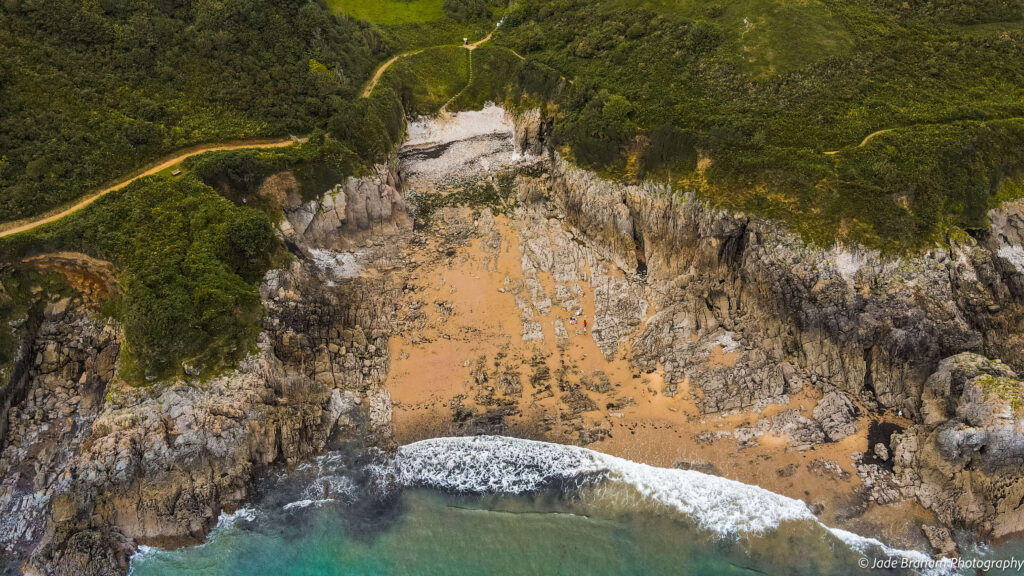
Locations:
(390, 12)
(758, 105)
(763, 89)
(187, 259)
(409, 24)
(190, 250)
(425, 81)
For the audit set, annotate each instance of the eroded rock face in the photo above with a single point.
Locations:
(737, 308)
(71, 366)
(836, 414)
(786, 314)
(747, 314)
(966, 461)
(346, 215)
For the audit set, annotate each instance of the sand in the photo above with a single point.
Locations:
(462, 320)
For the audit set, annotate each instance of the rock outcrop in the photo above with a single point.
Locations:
(732, 308)
(965, 461)
(344, 216)
(93, 467)
(69, 367)
(785, 313)
(836, 414)
(746, 314)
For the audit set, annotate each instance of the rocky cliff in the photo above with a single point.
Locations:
(745, 314)
(93, 467)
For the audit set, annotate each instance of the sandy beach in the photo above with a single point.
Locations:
(461, 365)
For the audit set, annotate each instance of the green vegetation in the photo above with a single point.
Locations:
(473, 10)
(10, 315)
(92, 90)
(408, 24)
(390, 12)
(425, 81)
(757, 105)
(318, 165)
(188, 262)
(495, 74)
(1003, 388)
(763, 88)
(20, 307)
(498, 195)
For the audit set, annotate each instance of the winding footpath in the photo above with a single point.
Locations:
(384, 67)
(865, 140)
(11, 228)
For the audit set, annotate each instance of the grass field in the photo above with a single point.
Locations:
(411, 24)
(425, 81)
(495, 70)
(764, 88)
(390, 12)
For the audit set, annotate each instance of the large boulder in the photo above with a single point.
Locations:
(966, 461)
(837, 415)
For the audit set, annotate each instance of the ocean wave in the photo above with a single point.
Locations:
(863, 544)
(496, 464)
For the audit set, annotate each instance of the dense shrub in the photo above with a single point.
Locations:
(91, 90)
(188, 262)
(764, 89)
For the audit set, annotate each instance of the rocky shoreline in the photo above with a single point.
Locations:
(763, 336)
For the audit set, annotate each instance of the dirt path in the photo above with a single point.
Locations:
(873, 134)
(865, 140)
(12, 228)
(384, 67)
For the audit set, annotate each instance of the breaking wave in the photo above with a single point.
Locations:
(513, 466)
(363, 492)
(496, 464)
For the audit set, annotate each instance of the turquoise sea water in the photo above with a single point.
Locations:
(472, 508)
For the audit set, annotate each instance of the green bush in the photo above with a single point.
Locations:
(468, 10)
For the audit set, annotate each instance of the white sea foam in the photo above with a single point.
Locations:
(864, 544)
(226, 520)
(306, 503)
(495, 464)
(514, 466)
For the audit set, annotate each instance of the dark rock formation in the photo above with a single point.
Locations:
(743, 311)
(966, 460)
(873, 327)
